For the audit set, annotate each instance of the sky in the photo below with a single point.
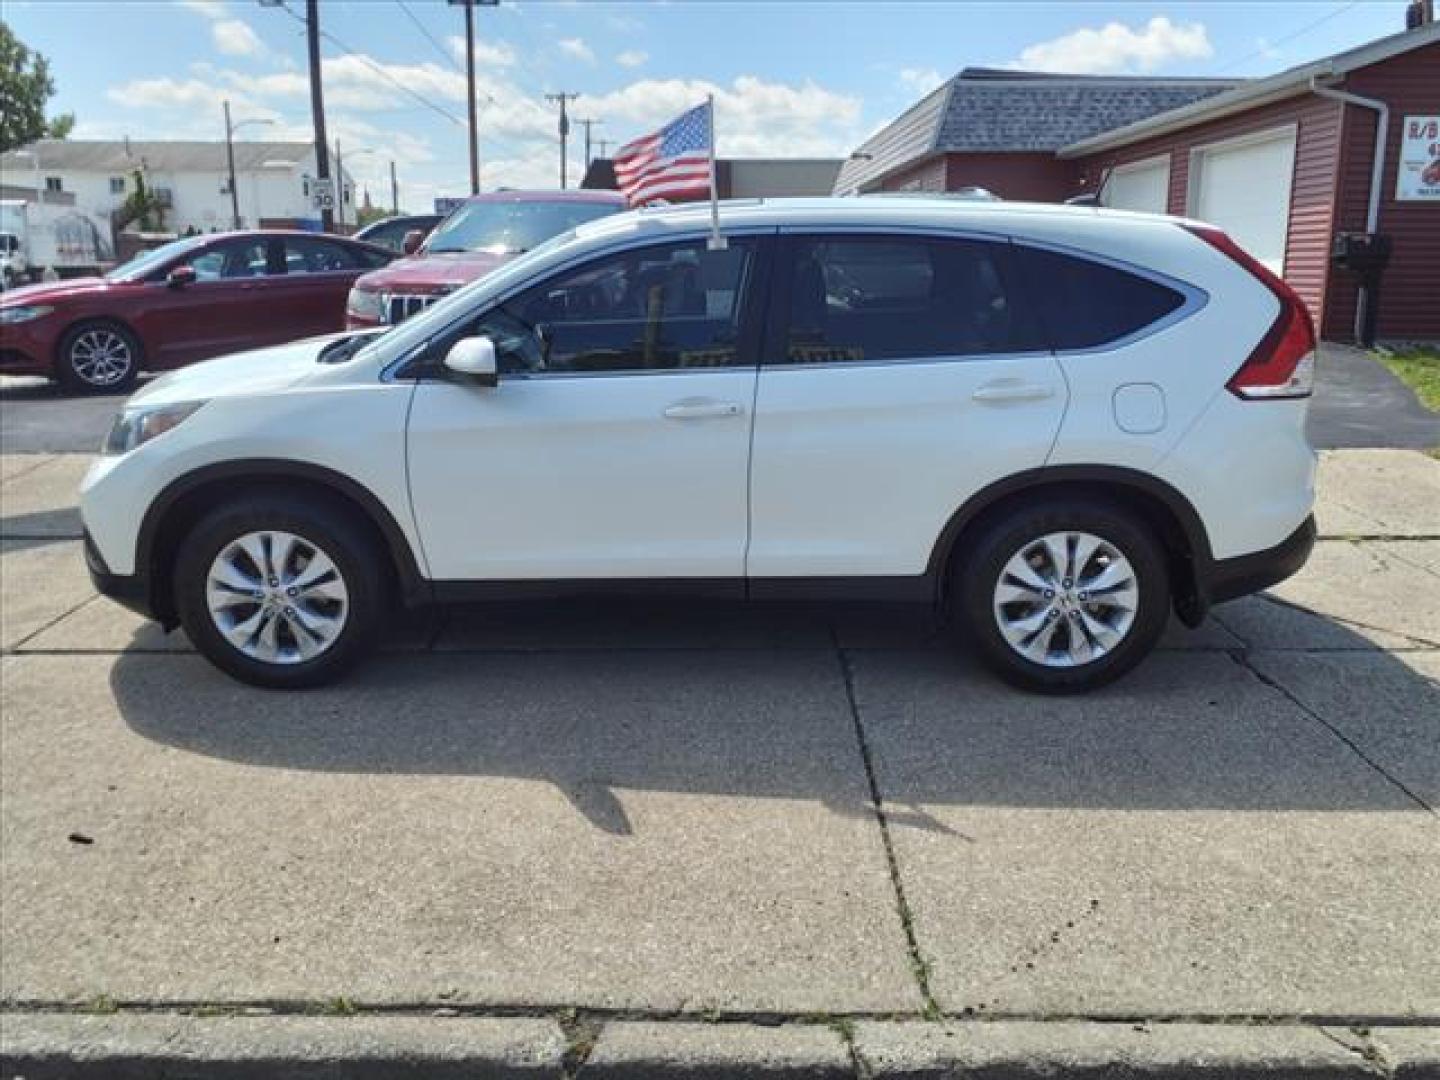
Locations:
(792, 79)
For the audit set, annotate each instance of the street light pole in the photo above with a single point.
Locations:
(394, 189)
(230, 130)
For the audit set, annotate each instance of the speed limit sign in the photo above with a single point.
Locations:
(321, 192)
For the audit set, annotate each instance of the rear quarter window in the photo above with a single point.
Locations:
(1082, 303)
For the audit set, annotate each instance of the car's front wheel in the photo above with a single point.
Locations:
(98, 358)
(1063, 596)
(279, 591)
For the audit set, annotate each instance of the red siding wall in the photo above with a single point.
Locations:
(1410, 296)
(1020, 177)
(929, 175)
(1312, 197)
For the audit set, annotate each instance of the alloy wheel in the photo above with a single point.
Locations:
(101, 357)
(1066, 599)
(277, 597)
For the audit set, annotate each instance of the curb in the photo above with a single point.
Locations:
(132, 1046)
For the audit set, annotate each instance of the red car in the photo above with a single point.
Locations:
(189, 300)
(479, 235)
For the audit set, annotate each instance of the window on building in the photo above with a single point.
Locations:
(858, 299)
(54, 183)
(117, 185)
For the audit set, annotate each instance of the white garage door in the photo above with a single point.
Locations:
(1145, 185)
(1244, 187)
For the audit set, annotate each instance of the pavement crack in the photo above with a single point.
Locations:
(1357, 1040)
(919, 966)
(1242, 658)
(582, 1032)
(1420, 642)
(57, 619)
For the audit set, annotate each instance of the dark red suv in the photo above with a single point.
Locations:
(480, 234)
(189, 300)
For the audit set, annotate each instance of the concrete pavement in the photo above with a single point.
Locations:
(593, 816)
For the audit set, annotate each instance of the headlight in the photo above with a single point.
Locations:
(364, 304)
(135, 427)
(11, 315)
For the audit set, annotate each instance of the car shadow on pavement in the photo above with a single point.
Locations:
(791, 716)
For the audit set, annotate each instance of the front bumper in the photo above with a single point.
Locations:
(128, 590)
(1231, 578)
(23, 351)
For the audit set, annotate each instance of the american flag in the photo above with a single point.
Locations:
(671, 163)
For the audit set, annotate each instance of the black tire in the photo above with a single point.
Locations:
(334, 529)
(978, 566)
(72, 370)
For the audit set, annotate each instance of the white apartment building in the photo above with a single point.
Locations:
(191, 178)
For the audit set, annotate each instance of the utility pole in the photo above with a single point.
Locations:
(230, 160)
(394, 189)
(604, 145)
(317, 108)
(563, 99)
(469, 6)
(588, 125)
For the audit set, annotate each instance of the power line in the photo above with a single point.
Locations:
(1289, 37)
(348, 51)
(444, 52)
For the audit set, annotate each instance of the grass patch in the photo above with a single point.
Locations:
(1418, 368)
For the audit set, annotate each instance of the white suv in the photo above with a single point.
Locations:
(1054, 423)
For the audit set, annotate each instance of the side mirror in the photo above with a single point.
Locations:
(180, 277)
(413, 239)
(474, 358)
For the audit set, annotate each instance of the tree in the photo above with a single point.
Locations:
(141, 205)
(25, 87)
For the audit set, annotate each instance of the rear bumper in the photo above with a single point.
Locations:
(1246, 574)
(129, 590)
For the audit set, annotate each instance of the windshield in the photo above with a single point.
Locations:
(439, 314)
(508, 228)
(146, 261)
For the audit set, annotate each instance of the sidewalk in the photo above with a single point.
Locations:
(658, 837)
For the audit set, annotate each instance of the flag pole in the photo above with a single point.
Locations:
(717, 242)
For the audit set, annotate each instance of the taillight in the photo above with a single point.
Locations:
(1283, 364)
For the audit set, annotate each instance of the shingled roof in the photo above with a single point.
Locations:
(990, 110)
(119, 156)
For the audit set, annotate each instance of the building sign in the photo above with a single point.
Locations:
(1419, 175)
(444, 204)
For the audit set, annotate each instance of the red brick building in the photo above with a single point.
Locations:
(1284, 163)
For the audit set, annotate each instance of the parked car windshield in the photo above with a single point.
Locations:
(507, 228)
(146, 261)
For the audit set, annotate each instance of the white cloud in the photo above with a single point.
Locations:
(498, 54)
(632, 58)
(211, 9)
(920, 81)
(753, 118)
(1118, 49)
(235, 38)
(577, 48)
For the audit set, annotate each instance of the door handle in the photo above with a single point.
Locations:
(701, 409)
(1013, 391)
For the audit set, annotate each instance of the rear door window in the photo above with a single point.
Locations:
(1083, 304)
(859, 299)
(314, 255)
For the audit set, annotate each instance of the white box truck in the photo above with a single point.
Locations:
(35, 239)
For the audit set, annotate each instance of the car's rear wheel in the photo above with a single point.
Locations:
(98, 358)
(280, 592)
(1062, 597)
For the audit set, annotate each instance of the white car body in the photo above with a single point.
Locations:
(763, 475)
